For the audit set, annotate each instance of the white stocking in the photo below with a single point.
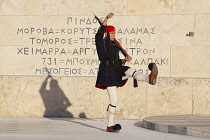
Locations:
(113, 101)
(137, 75)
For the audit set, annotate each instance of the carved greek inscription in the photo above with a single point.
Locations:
(70, 50)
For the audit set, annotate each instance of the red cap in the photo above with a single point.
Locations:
(109, 28)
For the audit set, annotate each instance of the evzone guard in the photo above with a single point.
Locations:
(112, 72)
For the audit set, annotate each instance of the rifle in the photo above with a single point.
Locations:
(97, 19)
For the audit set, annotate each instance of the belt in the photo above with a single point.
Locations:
(117, 63)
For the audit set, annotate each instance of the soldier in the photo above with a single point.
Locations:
(112, 72)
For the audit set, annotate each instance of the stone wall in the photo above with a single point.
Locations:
(58, 35)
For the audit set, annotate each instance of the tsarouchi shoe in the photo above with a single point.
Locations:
(153, 74)
(114, 128)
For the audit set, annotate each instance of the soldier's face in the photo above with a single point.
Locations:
(112, 35)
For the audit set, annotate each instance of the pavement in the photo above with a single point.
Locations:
(79, 129)
(183, 125)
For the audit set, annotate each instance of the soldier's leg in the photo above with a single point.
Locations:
(151, 79)
(112, 92)
(112, 106)
(137, 75)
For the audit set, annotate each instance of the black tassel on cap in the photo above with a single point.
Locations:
(108, 48)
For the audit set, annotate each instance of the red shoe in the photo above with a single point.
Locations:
(153, 74)
(115, 128)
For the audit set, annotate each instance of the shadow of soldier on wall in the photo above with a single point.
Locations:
(55, 101)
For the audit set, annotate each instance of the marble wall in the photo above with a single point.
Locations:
(59, 35)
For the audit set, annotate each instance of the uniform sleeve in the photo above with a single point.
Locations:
(100, 42)
(100, 34)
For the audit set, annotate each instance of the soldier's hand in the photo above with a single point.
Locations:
(110, 15)
(128, 58)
